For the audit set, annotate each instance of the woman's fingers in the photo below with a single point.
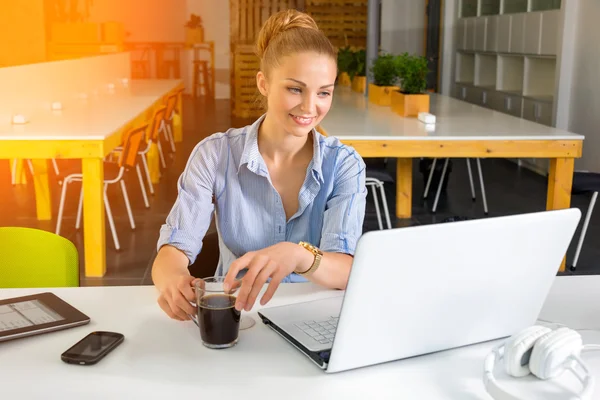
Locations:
(248, 281)
(164, 305)
(273, 285)
(180, 306)
(235, 268)
(259, 282)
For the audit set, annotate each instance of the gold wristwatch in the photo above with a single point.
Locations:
(318, 255)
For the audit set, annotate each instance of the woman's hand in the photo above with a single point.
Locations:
(275, 262)
(176, 295)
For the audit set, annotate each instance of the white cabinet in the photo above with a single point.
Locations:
(491, 34)
(549, 32)
(480, 33)
(470, 34)
(474, 95)
(533, 30)
(517, 33)
(507, 103)
(537, 111)
(503, 42)
(461, 36)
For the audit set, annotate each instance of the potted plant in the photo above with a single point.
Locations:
(358, 71)
(194, 30)
(385, 75)
(411, 98)
(344, 61)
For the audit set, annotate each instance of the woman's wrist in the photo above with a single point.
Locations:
(305, 259)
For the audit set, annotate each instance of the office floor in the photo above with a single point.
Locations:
(509, 189)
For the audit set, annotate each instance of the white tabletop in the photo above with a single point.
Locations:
(162, 358)
(353, 117)
(93, 116)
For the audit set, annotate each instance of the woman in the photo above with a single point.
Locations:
(289, 202)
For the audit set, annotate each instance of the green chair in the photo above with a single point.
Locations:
(32, 258)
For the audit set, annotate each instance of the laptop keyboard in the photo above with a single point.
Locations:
(321, 331)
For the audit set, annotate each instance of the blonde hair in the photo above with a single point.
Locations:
(288, 32)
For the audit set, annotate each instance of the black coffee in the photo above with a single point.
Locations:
(219, 320)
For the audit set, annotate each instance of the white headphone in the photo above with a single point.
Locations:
(543, 352)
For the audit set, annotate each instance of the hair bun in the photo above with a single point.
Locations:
(279, 23)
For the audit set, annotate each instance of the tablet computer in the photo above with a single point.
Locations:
(36, 314)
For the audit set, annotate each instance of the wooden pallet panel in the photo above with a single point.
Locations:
(343, 21)
(246, 102)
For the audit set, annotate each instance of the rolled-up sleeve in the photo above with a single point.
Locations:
(192, 212)
(345, 209)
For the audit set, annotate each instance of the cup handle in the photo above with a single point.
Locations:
(195, 319)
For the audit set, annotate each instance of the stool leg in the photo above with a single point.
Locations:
(142, 185)
(147, 171)
(385, 206)
(439, 189)
(376, 201)
(79, 207)
(429, 179)
(127, 205)
(485, 207)
(471, 179)
(586, 222)
(111, 222)
(61, 206)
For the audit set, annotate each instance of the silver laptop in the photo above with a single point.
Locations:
(423, 289)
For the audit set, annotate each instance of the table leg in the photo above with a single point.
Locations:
(560, 182)
(93, 217)
(154, 163)
(404, 188)
(43, 201)
(178, 128)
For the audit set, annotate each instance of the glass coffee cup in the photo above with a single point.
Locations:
(216, 316)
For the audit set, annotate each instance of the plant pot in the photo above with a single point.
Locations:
(359, 84)
(381, 95)
(344, 79)
(194, 35)
(409, 105)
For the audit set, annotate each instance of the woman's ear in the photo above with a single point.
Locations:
(261, 83)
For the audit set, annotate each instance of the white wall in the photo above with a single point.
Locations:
(402, 26)
(585, 90)
(215, 16)
(155, 21)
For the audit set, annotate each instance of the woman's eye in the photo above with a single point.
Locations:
(294, 90)
(324, 94)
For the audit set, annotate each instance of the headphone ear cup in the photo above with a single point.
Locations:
(552, 350)
(517, 350)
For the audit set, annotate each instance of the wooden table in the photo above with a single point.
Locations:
(86, 129)
(162, 358)
(462, 130)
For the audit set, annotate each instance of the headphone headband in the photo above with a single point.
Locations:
(499, 393)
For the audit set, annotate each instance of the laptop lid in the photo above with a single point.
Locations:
(423, 289)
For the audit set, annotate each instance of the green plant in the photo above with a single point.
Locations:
(195, 21)
(384, 70)
(412, 70)
(344, 59)
(358, 66)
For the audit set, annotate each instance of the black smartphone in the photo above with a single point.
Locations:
(92, 348)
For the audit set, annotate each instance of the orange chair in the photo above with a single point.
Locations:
(166, 126)
(113, 173)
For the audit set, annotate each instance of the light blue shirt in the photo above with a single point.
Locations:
(228, 168)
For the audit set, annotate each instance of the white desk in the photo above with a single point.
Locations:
(162, 358)
(86, 129)
(462, 130)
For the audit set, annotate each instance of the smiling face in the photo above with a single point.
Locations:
(299, 91)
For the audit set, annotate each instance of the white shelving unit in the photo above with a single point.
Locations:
(506, 58)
